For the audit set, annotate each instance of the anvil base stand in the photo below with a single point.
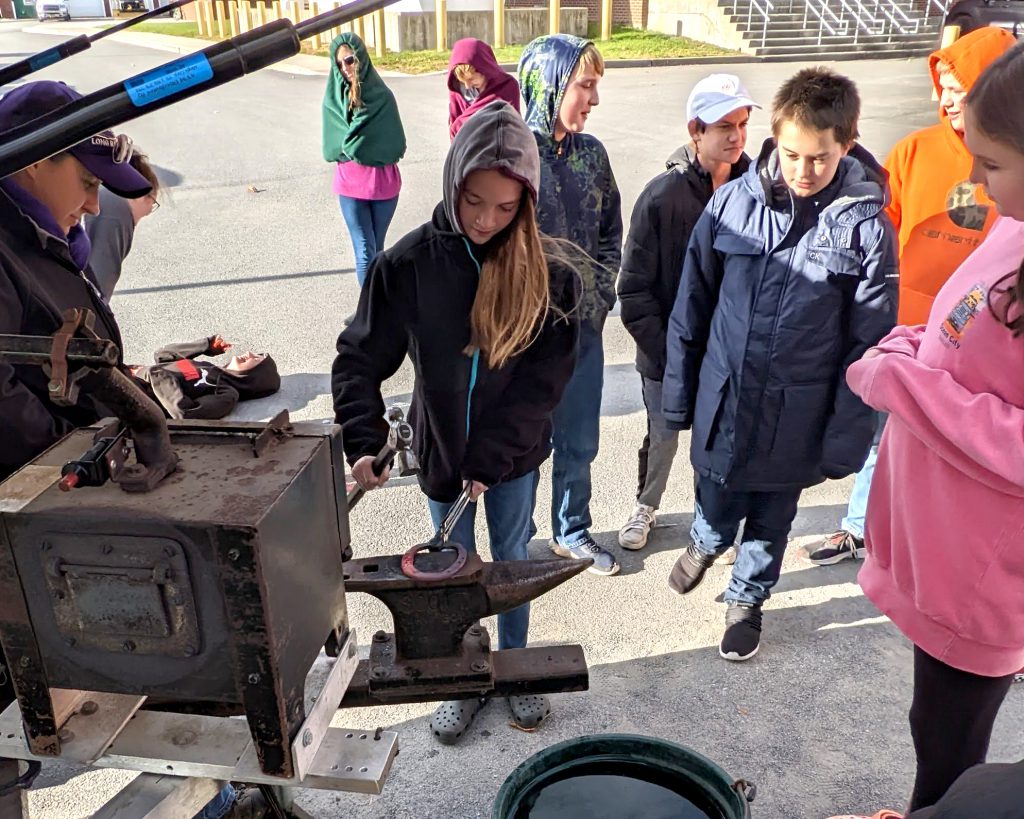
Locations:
(186, 759)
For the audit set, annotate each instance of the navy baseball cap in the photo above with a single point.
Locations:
(105, 155)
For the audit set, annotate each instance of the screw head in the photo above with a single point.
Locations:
(474, 631)
(233, 554)
(381, 637)
(378, 673)
(254, 679)
(480, 666)
(307, 738)
(89, 708)
(128, 645)
(190, 651)
(24, 662)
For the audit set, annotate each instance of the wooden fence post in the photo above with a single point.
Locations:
(261, 13)
(244, 23)
(441, 24)
(233, 18)
(378, 33)
(499, 23)
(218, 9)
(554, 16)
(606, 19)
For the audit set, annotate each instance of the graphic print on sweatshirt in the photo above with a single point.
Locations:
(963, 314)
(963, 208)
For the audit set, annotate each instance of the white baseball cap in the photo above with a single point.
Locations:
(716, 96)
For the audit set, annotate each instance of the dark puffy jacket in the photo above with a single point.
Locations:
(38, 282)
(417, 300)
(766, 323)
(652, 258)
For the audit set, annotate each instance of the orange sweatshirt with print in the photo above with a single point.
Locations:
(940, 215)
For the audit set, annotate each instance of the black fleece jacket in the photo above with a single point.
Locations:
(417, 301)
(652, 258)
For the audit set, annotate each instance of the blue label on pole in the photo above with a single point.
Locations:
(169, 79)
(44, 58)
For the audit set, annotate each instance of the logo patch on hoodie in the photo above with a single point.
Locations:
(963, 314)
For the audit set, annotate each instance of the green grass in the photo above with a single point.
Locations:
(183, 28)
(625, 44)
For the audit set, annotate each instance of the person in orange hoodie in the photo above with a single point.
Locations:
(940, 217)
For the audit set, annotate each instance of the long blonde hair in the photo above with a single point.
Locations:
(513, 298)
(355, 99)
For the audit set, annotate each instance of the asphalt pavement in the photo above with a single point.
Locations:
(250, 244)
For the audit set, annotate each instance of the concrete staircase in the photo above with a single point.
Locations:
(794, 30)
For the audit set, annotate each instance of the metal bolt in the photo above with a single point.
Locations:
(378, 673)
(128, 645)
(381, 637)
(480, 666)
(254, 679)
(89, 708)
(65, 735)
(233, 554)
(307, 738)
(24, 662)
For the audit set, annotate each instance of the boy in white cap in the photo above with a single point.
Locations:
(717, 112)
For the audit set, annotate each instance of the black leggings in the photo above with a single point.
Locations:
(951, 720)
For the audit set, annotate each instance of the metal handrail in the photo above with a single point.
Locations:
(765, 12)
(823, 24)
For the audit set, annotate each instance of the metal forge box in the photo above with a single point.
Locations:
(218, 587)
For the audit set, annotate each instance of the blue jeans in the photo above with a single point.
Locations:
(368, 221)
(768, 518)
(575, 438)
(857, 511)
(219, 805)
(509, 510)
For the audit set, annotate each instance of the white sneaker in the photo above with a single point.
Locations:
(634, 534)
(727, 558)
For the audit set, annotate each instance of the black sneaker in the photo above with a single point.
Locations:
(742, 635)
(836, 547)
(689, 570)
(604, 561)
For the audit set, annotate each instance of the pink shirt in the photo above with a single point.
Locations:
(945, 524)
(366, 181)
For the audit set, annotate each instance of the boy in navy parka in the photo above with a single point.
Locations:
(579, 201)
(789, 277)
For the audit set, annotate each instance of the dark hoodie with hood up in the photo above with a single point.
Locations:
(578, 199)
(463, 103)
(779, 295)
(652, 260)
(471, 422)
(187, 388)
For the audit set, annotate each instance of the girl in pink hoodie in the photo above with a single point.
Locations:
(945, 536)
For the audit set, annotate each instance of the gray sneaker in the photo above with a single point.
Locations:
(604, 561)
(633, 535)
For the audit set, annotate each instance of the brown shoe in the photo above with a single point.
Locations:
(689, 570)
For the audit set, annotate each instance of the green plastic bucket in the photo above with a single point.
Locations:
(608, 775)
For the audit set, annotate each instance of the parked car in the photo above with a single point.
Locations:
(130, 5)
(972, 14)
(50, 10)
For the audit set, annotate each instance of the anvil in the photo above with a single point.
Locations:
(439, 650)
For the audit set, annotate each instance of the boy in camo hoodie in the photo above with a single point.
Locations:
(578, 201)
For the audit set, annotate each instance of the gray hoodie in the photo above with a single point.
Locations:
(493, 138)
